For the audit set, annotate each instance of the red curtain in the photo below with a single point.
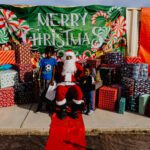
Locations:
(144, 47)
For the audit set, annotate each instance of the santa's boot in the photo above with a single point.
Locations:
(61, 112)
(75, 109)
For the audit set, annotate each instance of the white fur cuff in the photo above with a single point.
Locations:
(60, 103)
(78, 101)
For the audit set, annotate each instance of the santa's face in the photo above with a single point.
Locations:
(68, 57)
(69, 65)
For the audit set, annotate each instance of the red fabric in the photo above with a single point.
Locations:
(74, 91)
(68, 134)
(144, 47)
(75, 77)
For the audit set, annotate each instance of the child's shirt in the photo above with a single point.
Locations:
(47, 66)
(87, 84)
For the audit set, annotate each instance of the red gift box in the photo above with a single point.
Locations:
(23, 54)
(7, 97)
(25, 72)
(134, 60)
(107, 98)
(7, 57)
(94, 63)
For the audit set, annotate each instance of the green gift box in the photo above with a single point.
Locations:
(142, 103)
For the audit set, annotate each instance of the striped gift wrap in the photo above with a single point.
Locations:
(7, 57)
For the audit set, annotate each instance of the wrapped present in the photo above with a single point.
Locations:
(107, 98)
(120, 89)
(142, 103)
(24, 93)
(109, 75)
(114, 58)
(147, 109)
(132, 104)
(134, 60)
(23, 54)
(25, 72)
(7, 57)
(122, 105)
(95, 93)
(8, 78)
(7, 97)
(94, 63)
(128, 86)
(135, 71)
(144, 71)
(141, 87)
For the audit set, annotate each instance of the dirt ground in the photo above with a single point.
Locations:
(101, 141)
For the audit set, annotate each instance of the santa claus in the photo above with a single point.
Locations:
(69, 72)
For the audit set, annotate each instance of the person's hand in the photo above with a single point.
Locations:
(52, 82)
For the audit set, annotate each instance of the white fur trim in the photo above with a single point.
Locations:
(66, 83)
(69, 53)
(60, 103)
(78, 101)
(68, 77)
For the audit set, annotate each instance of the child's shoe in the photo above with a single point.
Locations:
(90, 112)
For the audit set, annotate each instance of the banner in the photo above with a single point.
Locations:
(144, 47)
(88, 30)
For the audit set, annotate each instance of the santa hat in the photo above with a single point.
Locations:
(69, 53)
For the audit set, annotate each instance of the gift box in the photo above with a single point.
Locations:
(128, 86)
(114, 58)
(8, 78)
(134, 60)
(122, 105)
(6, 97)
(109, 75)
(24, 93)
(141, 87)
(135, 71)
(120, 89)
(23, 54)
(132, 104)
(7, 57)
(147, 109)
(25, 72)
(93, 63)
(142, 103)
(107, 98)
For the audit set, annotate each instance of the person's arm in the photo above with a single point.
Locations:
(53, 72)
(53, 76)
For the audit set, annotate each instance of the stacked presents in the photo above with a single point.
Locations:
(15, 76)
(24, 89)
(8, 78)
(128, 79)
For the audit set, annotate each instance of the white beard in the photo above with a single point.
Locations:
(69, 67)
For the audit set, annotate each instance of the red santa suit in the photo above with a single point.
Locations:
(67, 82)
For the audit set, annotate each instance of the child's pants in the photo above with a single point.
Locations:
(89, 100)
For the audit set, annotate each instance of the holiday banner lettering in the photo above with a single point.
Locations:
(87, 30)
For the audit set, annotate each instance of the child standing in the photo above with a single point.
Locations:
(46, 74)
(88, 89)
